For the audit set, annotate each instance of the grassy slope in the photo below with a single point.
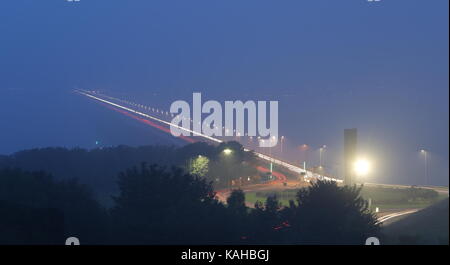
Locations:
(428, 226)
(383, 198)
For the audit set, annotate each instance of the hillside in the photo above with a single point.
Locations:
(426, 227)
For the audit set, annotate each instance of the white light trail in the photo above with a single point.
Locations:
(289, 166)
(392, 215)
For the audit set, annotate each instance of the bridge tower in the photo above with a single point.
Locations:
(350, 149)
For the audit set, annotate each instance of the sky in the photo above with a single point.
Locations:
(381, 67)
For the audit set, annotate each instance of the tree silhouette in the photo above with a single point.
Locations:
(99, 168)
(236, 202)
(266, 222)
(62, 209)
(329, 214)
(158, 206)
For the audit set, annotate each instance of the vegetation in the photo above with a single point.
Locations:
(37, 209)
(427, 226)
(99, 168)
(326, 213)
(393, 198)
(283, 196)
(156, 205)
(199, 166)
(381, 197)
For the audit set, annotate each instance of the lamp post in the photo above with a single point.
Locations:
(304, 148)
(362, 168)
(227, 152)
(425, 154)
(321, 149)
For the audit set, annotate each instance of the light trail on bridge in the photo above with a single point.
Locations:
(271, 159)
(146, 121)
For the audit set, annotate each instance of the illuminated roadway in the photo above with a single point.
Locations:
(293, 168)
(222, 195)
(387, 217)
(289, 166)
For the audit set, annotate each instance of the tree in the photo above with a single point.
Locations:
(239, 154)
(272, 204)
(22, 224)
(237, 213)
(236, 202)
(233, 165)
(193, 150)
(199, 166)
(266, 222)
(329, 214)
(61, 208)
(160, 206)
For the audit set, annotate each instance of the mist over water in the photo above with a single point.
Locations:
(380, 68)
(64, 119)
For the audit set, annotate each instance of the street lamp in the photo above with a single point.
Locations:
(321, 149)
(271, 141)
(425, 154)
(261, 143)
(304, 148)
(282, 139)
(362, 167)
(228, 152)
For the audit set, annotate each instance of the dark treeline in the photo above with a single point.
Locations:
(47, 195)
(99, 168)
(160, 206)
(34, 208)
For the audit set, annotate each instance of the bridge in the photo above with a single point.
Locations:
(162, 117)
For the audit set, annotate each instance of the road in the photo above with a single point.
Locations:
(131, 109)
(125, 106)
(386, 218)
(438, 189)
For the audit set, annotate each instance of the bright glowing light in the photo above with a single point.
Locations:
(362, 167)
(227, 151)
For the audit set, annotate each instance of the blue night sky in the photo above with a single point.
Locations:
(381, 67)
